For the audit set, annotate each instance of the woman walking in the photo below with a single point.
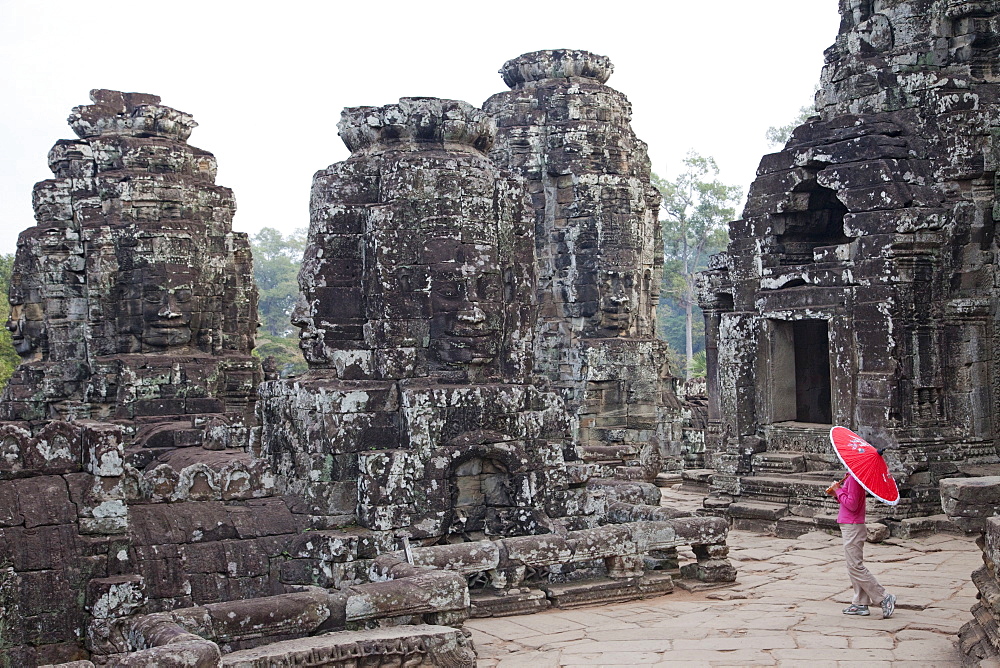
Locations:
(851, 518)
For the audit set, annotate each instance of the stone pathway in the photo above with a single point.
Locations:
(784, 610)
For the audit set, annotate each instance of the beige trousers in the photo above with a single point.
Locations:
(867, 590)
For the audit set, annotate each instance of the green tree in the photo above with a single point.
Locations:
(778, 136)
(696, 209)
(699, 365)
(8, 357)
(276, 260)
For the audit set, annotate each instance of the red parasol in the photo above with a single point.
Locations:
(865, 463)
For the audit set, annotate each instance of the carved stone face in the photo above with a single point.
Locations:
(166, 306)
(11, 457)
(310, 338)
(465, 303)
(16, 326)
(25, 324)
(619, 296)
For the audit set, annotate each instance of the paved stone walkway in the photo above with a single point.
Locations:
(784, 610)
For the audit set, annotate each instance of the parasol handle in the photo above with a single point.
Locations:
(829, 490)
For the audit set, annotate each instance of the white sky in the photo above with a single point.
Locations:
(266, 81)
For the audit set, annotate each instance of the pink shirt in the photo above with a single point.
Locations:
(851, 497)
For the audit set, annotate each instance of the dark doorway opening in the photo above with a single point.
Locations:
(811, 339)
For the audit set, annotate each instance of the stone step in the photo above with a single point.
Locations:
(779, 462)
(700, 476)
(757, 510)
(916, 526)
(525, 601)
(794, 526)
(607, 590)
(668, 479)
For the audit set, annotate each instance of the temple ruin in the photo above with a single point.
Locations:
(162, 501)
(486, 404)
(859, 286)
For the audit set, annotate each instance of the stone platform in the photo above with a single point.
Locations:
(784, 611)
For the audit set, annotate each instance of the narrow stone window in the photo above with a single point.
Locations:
(819, 227)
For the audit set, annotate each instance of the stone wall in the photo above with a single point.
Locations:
(972, 505)
(859, 286)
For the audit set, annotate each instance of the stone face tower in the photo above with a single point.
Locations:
(132, 297)
(416, 310)
(860, 286)
(147, 518)
(134, 310)
(599, 253)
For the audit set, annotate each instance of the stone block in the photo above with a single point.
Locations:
(419, 643)
(103, 450)
(262, 517)
(877, 533)
(111, 598)
(10, 513)
(710, 570)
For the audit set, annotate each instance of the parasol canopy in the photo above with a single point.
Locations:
(865, 463)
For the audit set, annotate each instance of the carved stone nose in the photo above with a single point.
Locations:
(299, 314)
(170, 309)
(473, 315)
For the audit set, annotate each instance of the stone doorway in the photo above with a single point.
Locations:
(800, 371)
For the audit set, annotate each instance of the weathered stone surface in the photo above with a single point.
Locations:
(598, 252)
(859, 286)
(133, 308)
(418, 646)
(969, 501)
(161, 504)
(416, 313)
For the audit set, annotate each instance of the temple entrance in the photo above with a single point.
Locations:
(812, 371)
(800, 371)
